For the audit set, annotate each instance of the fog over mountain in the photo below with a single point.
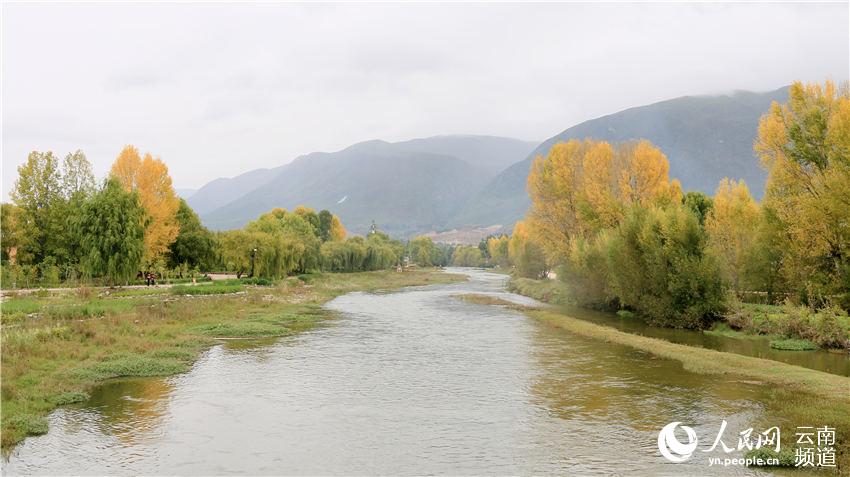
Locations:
(460, 181)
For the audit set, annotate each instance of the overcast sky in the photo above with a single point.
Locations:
(217, 90)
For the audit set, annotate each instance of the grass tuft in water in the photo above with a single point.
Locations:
(793, 345)
(70, 398)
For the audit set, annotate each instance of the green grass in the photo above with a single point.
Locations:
(791, 344)
(215, 289)
(61, 346)
(71, 398)
(549, 291)
(784, 456)
(626, 314)
(721, 328)
(136, 292)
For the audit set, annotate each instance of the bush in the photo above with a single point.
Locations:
(625, 314)
(657, 265)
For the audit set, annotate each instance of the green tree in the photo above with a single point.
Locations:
(111, 227)
(423, 252)
(698, 203)
(194, 245)
(466, 256)
(77, 177)
(526, 255)
(10, 230)
(38, 192)
(325, 224)
(657, 264)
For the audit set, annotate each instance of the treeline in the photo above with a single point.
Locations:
(62, 227)
(621, 233)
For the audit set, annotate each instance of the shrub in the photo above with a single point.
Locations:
(658, 266)
(625, 314)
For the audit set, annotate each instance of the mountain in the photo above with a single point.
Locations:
(405, 187)
(490, 154)
(225, 190)
(184, 193)
(705, 139)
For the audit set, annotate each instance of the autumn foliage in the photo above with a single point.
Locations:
(149, 178)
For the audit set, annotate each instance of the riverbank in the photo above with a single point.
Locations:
(56, 347)
(789, 327)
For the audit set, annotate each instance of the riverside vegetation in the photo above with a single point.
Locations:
(64, 230)
(623, 236)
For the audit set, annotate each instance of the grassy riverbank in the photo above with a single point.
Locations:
(789, 326)
(56, 347)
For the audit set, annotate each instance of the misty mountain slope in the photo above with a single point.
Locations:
(222, 191)
(402, 191)
(705, 139)
(490, 154)
(184, 193)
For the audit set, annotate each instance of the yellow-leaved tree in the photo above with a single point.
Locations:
(805, 146)
(731, 224)
(149, 177)
(337, 231)
(583, 187)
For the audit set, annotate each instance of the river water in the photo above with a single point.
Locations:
(408, 382)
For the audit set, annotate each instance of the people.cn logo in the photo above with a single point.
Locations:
(671, 448)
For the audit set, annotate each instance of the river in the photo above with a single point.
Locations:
(407, 382)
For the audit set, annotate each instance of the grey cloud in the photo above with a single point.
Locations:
(216, 90)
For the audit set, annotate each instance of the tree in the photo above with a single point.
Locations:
(10, 230)
(497, 249)
(467, 256)
(337, 231)
(77, 179)
(526, 255)
(583, 187)
(39, 195)
(423, 252)
(149, 177)
(111, 227)
(805, 146)
(194, 245)
(657, 265)
(698, 203)
(731, 226)
(325, 222)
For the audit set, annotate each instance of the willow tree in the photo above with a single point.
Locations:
(805, 146)
(111, 230)
(149, 177)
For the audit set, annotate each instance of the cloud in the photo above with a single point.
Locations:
(219, 89)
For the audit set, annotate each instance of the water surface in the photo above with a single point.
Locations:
(410, 382)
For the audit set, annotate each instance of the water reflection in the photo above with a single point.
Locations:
(416, 382)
